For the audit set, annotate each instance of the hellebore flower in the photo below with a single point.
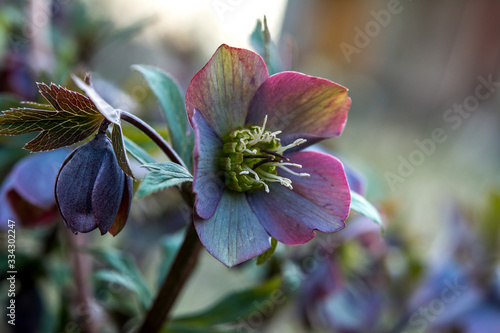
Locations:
(331, 301)
(26, 193)
(91, 189)
(249, 128)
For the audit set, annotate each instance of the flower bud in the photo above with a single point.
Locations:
(91, 190)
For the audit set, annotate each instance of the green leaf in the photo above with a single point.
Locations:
(116, 278)
(260, 39)
(362, 206)
(233, 308)
(162, 175)
(73, 119)
(269, 253)
(171, 100)
(104, 108)
(119, 148)
(126, 273)
(137, 152)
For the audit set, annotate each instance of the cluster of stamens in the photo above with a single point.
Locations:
(251, 158)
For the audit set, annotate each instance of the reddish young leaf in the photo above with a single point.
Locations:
(74, 118)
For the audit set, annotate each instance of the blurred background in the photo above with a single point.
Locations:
(422, 138)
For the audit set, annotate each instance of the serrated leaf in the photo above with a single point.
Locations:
(111, 114)
(162, 176)
(231, 309)
(39, 106)
(74, 119)
(137, 152)
(171, 100)
(362, 206)
(119, 149)
(268, 254)
(128, 270)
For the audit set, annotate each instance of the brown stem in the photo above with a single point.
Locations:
(184, 263)
(153, 135)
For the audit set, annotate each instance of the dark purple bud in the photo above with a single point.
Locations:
(91, 189)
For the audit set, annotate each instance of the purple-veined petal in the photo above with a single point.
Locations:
(355, 179)
(233, 234)
(73, 189)
(301, 106)
(319, 202)
(223, 89)
(108, 187)
(207, 183)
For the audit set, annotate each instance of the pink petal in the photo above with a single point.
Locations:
(224, 88)
(319, 202)
(301, 106)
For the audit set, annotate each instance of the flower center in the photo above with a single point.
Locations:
(251, 157)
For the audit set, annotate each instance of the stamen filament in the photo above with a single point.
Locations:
(297, 142)
(262, 163)
(277, 179)
(274, 154)
(257, 154)
(302, 174)
(287, 163)
(257, 178)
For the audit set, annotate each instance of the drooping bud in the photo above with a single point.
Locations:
(91, 190)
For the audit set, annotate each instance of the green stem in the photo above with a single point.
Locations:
(184, 263)
(153, 135)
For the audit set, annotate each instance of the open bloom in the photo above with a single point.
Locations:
(27, 191)
(250, 179)
(91, 190)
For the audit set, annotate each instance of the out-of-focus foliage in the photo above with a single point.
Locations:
(434, 270)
